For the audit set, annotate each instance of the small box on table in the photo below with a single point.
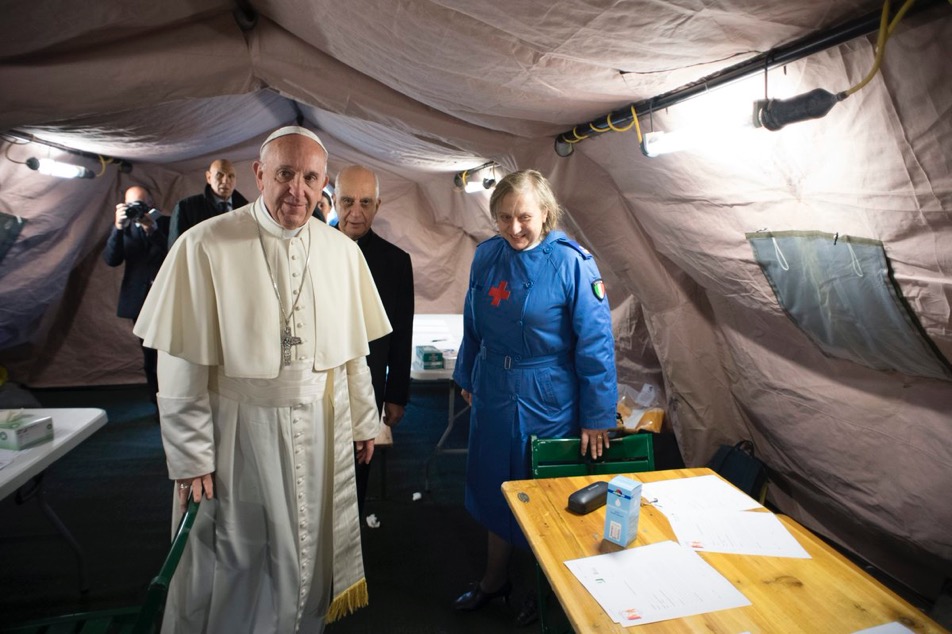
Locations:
(622, 508)
(430, 357)
(24, 430)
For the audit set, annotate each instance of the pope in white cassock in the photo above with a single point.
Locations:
(263, 388)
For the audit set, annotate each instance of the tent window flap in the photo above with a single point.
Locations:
(840, 291)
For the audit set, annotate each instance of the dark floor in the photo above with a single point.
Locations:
(112, 492)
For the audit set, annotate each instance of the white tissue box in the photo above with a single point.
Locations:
(25, 431)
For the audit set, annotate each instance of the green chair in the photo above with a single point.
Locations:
(560, 457)
(142, 620)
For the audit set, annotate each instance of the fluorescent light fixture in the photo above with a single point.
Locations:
(468, 182)
(51, 167)
(657, 143)
(473, 186)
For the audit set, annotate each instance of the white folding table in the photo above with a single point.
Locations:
(443, 331)
(22, 471)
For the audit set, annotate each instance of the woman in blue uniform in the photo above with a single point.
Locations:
(537, 358)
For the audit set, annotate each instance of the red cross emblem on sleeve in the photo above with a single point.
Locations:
(499, 293)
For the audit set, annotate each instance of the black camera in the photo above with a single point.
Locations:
(136, 209)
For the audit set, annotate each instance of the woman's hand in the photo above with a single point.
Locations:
(467, 397)
(596, 440)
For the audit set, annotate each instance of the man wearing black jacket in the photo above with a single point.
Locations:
(357, 200)
(138, 239)
(219, 196)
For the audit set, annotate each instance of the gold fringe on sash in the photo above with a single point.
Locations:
(348, 601)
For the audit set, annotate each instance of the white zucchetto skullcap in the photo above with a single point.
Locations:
(292, 129)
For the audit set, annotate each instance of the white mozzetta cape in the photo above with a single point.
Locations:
(213, 303)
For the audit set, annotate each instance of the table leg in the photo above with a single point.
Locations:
(37, 491)
(452, 415)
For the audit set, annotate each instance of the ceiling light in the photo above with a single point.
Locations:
(51, 167)
(468, 182)
(658, 142)
(471, 187)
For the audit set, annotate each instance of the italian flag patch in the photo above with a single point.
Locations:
(598, 287)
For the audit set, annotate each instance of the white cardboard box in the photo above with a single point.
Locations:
(25, 431)
(622, 508)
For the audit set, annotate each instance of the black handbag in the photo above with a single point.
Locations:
(737, 464)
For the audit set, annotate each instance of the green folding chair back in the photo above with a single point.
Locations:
(143, 620)
(155, 597)
(558, 457)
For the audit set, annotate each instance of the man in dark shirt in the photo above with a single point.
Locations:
(219, 196)
(138, 239)
(357, 200)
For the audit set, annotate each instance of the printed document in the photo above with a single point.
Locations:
(655, 583)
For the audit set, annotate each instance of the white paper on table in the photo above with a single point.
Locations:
(894, 627)
(655, 583)
(6, 457)
(707, 492)
(740, 533)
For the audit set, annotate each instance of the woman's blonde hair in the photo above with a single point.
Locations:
(529, 181)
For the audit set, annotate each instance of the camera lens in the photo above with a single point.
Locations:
(136, 210)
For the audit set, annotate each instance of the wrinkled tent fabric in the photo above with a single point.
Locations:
(420, 90)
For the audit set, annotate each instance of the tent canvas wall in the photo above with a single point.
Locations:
(421, 89)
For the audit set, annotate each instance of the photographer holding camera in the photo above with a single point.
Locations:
(139, 239)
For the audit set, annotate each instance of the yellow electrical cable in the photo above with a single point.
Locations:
(885, 30)
(577, 137)
(899, 15)
(6, 153)
(634, 120)
(634, 117)
(102, 165)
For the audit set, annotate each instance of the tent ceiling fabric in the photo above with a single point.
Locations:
(422, 89)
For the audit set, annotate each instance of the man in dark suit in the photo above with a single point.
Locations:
(357, 200)
(219, 196)
(139, 239)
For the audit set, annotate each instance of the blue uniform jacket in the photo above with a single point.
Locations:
(538, 357)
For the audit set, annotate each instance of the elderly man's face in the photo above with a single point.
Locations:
(355, 198)
(290, 175)
(222, 178)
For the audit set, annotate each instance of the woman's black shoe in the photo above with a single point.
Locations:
(476, 597)
(529, 613)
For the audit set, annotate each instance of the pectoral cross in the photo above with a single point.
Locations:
(288, 340)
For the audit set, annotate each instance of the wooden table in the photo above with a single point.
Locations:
(827, 593)
(23, 470)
